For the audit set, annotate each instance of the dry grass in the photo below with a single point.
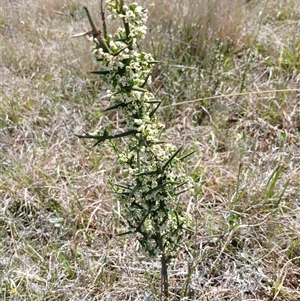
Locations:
(229, 79)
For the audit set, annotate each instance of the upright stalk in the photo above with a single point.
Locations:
(149, 194)
(164, 269)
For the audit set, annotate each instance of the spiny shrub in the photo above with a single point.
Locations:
(149, 196)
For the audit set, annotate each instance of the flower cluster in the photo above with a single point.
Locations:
(132, 14)
(149, 196)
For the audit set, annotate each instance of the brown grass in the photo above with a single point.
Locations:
(229, 80)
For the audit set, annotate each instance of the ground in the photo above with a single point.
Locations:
(229, 78)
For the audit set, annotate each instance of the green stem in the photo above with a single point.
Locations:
(96, 32)
(103, 20)
(126, 25)
(164, 269)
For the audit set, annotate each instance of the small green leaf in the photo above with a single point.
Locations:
(171, 158)
(116, 106)
(101, 72)
(147, 173)
(105, 136)
(154, 62)
(187, 155)
(151, 114)
(135, 188)
(136, 88)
